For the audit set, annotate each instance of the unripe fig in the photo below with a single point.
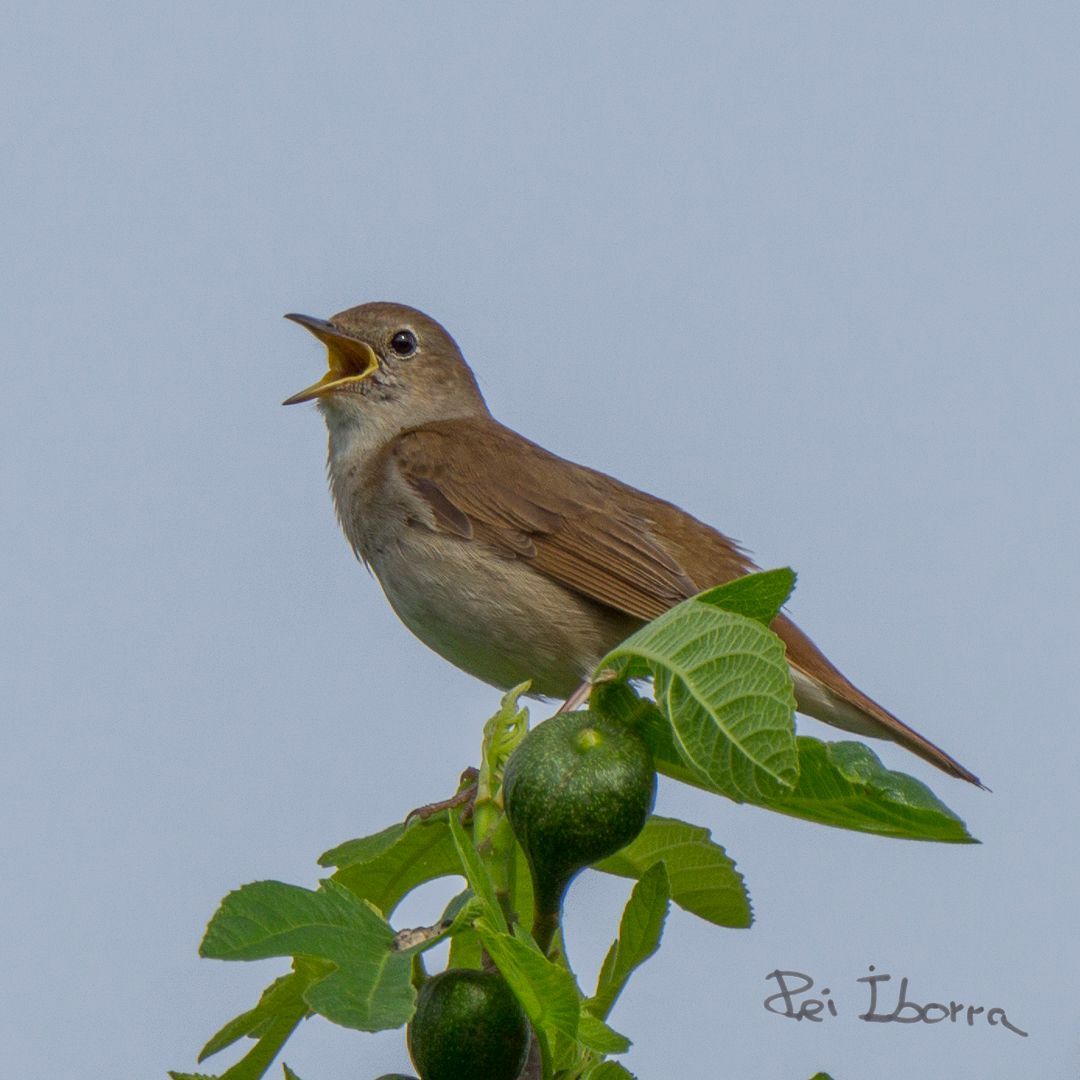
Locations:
(578, 788)
(467, 1025)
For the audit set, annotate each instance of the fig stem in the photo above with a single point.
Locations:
(545, 927)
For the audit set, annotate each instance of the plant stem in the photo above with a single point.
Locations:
(545, 927)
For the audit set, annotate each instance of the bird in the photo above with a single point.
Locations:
(509, 561)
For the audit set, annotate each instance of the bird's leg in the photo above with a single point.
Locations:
(581, 694)
(578, 697)
(465, 796)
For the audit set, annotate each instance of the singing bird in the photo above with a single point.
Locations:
(511, 562)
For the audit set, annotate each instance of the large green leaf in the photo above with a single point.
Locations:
(639, 937)
(845, 784)
(385, 867)
(703, 879)
(721, 682)
(369, 988)
(842, 784)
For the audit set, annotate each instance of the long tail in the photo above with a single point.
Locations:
(821, 691)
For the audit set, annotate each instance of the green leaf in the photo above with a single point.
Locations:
(842, 784)
(364, 849)
(477, 876)
(845, 784)
(821, 1076)
(756, 596)
(289, 1074)
(622, 702)
(520, 885)
(722, 683)
(595, 1035)
(260, 1057)
(639, 937)
(567, 1055)
(465, 951)
(369, 989)
(703, 879)
(609, 1070)
(279, 1011)
(502, 733)
(283, 996)
(547, 993)
(394, 862)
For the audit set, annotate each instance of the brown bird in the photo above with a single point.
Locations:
(511, 562)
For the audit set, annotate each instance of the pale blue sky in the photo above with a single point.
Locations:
(809, 271)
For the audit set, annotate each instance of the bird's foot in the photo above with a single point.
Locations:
(465, 797)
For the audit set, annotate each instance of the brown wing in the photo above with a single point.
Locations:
(580, 527)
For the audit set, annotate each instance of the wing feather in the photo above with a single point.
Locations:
(589, 543)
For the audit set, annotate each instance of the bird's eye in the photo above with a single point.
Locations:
(403, 343)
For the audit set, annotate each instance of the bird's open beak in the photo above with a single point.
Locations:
(350, 360)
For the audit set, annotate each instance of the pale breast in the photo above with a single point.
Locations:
(497, 618)
(491, 616)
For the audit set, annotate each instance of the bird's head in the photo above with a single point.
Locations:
(389, 362)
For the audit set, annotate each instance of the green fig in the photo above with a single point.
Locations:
(579, 788)
(467, 1025)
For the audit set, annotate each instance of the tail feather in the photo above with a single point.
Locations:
(823, 692)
